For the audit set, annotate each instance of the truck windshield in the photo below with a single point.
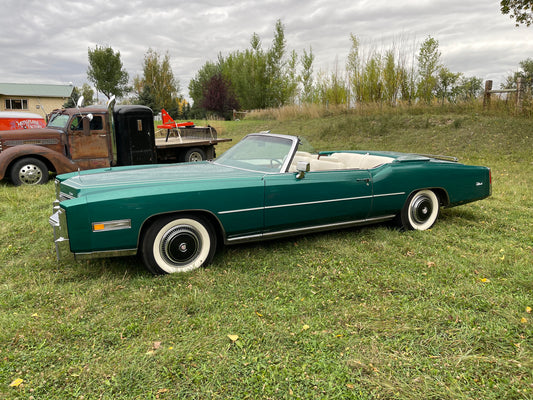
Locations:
(58, 121)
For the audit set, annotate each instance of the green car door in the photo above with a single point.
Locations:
(319, 198)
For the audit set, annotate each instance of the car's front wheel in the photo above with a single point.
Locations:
(420, 210)
(178, 244)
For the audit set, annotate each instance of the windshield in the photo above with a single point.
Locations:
(58, 121)
(262, 153)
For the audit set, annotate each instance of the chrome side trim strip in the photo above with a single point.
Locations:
(241, 210)
(389, 194)
(315, 228)
(108, 253)
(307, 203)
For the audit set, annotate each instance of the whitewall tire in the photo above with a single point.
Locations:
(178, 244)
(420, 210)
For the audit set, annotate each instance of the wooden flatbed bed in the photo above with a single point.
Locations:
(187, 142)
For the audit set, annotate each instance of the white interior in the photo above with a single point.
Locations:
(337, 161)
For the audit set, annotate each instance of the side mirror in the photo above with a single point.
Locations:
(302, 167)
(89, 117)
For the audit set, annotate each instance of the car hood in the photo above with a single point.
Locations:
(77, 183)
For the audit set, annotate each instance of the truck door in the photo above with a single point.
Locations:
(89, 142)
(134, 127)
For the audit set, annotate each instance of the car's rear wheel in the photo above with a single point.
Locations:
(420, 210)
(178, 244)
(29, 171)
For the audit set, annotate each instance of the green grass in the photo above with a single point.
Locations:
(361, 313)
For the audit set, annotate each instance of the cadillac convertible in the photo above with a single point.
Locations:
(267, 186)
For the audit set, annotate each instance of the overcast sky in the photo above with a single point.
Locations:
(47, 41)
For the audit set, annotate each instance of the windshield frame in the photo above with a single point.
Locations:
(269, 137)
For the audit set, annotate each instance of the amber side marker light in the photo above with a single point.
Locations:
(98, 227)
(111, 225)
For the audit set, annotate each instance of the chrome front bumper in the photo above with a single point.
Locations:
(59, 223)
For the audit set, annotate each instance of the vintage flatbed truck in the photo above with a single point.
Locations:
(95, 137)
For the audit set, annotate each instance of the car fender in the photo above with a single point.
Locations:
(57, 161)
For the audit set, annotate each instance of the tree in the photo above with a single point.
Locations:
(86, 91)
(106, 72)
(73, 99)
(447, 85)
(219, 97)
(520, 10)
(428, 67)
(157, 88)
(354, 68)
(332, 90)
(470, 88)
(198, 85)
(259, 78)
(88, 94)
(391, 78)
(371, 86)
(306, 76)
(526, 74)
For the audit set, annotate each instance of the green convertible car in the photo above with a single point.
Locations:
(266, 186)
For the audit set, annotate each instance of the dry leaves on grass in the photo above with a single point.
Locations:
(16, 382)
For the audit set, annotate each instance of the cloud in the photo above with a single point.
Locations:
(47, 42)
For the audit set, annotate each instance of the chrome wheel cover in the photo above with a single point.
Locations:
(30, 174)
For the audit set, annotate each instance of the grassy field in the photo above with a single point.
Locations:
(369, 313)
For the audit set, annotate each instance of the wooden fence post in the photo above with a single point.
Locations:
(486, 97)
(519, 94)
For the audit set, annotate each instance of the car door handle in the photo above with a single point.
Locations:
(367, 180)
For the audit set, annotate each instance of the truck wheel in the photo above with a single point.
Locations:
(194, 154)
(178, 244)
(29, 171)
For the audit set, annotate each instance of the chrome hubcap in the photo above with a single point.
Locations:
(180, 245)
(30, 174)
(421, 209)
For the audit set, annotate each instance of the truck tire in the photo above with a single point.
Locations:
(29, 171)
(194, 154)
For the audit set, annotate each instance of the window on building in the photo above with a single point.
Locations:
(16, 104)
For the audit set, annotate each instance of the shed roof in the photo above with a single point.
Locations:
(35, 90)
